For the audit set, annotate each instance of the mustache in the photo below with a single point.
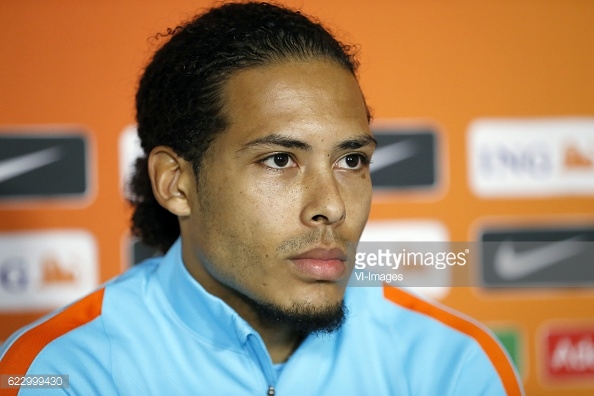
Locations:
(314, 238)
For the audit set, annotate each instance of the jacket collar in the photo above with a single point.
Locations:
(207, 316)
(211, 318)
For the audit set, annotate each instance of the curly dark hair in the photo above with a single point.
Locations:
(179, 104)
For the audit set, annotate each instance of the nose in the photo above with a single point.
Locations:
(323, 203)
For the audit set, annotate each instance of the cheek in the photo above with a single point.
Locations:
(356, 194)
(270, 203)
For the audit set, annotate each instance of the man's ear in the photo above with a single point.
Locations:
(172, 180)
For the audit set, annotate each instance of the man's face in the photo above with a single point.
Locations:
(283, 189)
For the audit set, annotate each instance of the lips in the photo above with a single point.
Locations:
(321, 264)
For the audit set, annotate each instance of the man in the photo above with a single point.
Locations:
(256, 184)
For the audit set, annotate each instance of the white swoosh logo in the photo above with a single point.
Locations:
(511, 265)
(13, 167)
(391, 154)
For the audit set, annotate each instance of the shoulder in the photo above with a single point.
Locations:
(74, 340)
(429, 337)
(70, 342)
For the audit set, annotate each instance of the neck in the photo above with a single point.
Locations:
(280, 340)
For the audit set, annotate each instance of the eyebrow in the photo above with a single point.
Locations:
(358, 142)
(277, 139)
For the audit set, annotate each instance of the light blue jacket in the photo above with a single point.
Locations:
(156, 331)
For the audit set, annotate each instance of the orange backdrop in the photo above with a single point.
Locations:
(74, 63)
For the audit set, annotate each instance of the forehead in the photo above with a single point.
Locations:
(298, 98)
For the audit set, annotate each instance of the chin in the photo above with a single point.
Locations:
(304, 316)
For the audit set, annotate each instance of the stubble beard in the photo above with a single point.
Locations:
(302, 318)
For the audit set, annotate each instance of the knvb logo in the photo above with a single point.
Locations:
(42, 166)
(405, 159)
(531, 158)
(46, 270)
(537, 257)
(570, 354)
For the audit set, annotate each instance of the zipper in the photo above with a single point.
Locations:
(259, 350)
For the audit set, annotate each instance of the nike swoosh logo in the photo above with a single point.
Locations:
(391, 154)
(13, 167)
(512, 265)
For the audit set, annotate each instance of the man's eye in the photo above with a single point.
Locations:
(279, 161)
(352, 161)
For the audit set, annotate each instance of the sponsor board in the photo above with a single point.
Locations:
(413, 231)
(533, 158)
(46, 270)
(129, 150)
(537, 257)
(512, 341)
(43, 166)
(569, 354)
(406, 158)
